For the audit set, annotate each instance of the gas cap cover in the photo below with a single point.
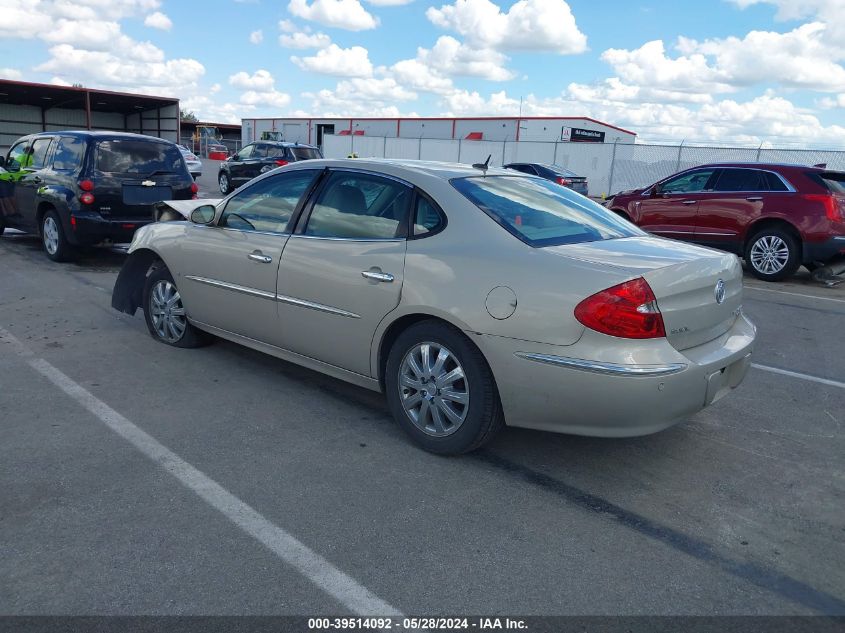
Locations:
(501, 302)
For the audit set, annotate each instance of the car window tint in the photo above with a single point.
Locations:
(541, 213)
(39, 153)
(834, 181)
(563, 171)
(426, 217)
(741, 180)
(69, 153)
(360, 206)
(305, 153)
(268, 204)
(687, 183)
(145, 158)
(16, 155)
(774, 182)
(263, 150)
(246, 152)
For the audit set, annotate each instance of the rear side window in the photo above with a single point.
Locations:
(305, 153)
(742, 180)
(39, 153)
(427, 218)
(775, 182)
(542, 213)
(69, 153)
(360, 206)
(145, 158)
(834, 181)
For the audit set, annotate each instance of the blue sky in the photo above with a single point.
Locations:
(731, 71)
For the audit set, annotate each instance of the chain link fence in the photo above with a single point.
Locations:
(608, 167)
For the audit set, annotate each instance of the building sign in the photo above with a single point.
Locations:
(577, 135)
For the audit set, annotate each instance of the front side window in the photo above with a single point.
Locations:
(16, 157)
(542, 213)
(246, 152)
(144, 158)
(267, 205)
(360, 206)
(687, 183)
(69, 153)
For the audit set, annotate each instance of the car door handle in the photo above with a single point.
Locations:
(377, 276)
(689, 201)
(258, 256)
(754, 198)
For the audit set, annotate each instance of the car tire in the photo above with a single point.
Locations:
(773, 254)
(464, 413)
(53, 238)
(224, 183)
(2, 226)
(165, 313)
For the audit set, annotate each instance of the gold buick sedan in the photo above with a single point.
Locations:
(473, 297)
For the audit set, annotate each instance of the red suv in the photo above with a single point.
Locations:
(776, 216)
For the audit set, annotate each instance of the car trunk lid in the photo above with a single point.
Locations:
(698, 290)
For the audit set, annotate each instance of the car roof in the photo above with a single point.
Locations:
(287, 144)
(442, 170)
(753, 165)
(98, 134)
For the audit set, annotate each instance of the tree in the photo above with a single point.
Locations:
(187, 115)
(78, 85)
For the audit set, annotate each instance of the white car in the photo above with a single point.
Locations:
(192, 161)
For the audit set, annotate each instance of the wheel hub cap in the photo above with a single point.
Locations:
(769, 254)
(51, 236)
(166, 311)
(433, 389)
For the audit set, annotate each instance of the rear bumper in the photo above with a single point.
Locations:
(826, 250)
(553, 388)
(87, 230)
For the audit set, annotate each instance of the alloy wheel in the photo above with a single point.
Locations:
(433, 389)
(51, 235)
(224, 183)
(167, 312)
(769, 254)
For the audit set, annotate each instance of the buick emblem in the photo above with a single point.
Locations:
(719, 291)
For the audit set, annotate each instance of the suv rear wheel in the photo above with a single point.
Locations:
(53, 238)
(225, 184)
(773, 254)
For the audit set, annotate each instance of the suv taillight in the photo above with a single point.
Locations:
(832, 205)
(194, 187)
(628, 310)
(281, 163)
(564, 181)
(86, 185)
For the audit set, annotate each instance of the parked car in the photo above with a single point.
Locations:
(471, 298)
(776, 216)
(192, 161)
(83, 188)
(555, 173)
(260, 157)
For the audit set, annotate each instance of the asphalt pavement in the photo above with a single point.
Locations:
(136, 478)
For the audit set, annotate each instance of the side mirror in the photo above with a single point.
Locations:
(204, 214)
(655, 191)
(234, 157)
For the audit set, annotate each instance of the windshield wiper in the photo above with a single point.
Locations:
(158, 172)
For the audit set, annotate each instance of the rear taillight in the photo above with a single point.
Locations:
(281, 163)
(832, 206)
(628, 310)
(87, 198)
(564, 181)
(194, 187)
(86, 185)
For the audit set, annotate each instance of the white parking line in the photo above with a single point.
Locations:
(317, 569)
(794, 294)
(795, 374)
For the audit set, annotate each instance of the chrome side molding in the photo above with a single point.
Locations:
(598, 367)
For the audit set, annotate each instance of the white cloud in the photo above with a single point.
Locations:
(158, 20)
(341, 62)
(10, 73)
(260, 80)
(418, 76)
(256, 37)
(450, 57)
(286, 26)
(388, 3)
(530, 25)
(304, 40)
(270, 98)
(341, 14)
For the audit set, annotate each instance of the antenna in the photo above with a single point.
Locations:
(483, 166)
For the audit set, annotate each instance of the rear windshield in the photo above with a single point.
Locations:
(835, 181)
(147, 158)
(305, 153)
(542, 213)
(563, 171)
